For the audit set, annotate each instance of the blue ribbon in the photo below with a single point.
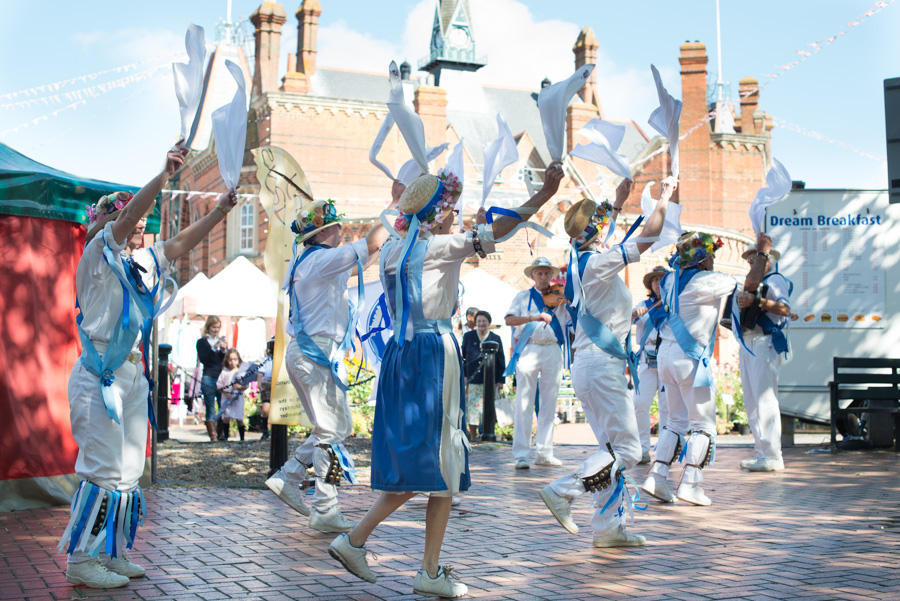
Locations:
(522, 341)
(736, 328)
(538, 300)
(87, 506)
(402, 291)
(685, 340)
(489, 217)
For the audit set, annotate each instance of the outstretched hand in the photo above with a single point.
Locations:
(623, 191)
(763, 243)
(227, 200)
(669, 185)
(397, 189)
(175, 158)
(553, 176)
(481, 217)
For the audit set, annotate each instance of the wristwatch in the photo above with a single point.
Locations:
(762, 254)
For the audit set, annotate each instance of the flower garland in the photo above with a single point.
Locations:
(317, 217)
(693, 248)
(440, 209)
(599, 220)
(107, 205)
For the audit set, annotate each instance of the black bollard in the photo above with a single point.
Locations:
(162, 393)
(278, 449)
(489, 349)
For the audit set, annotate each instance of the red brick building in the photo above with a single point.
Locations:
(327, 118)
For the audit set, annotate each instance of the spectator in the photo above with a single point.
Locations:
(470, 319)
(210, 352)
(474, 376)
(264, 384)
(232, 403)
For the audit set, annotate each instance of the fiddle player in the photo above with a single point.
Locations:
(759, 372)
(602, 352)
(537, 361)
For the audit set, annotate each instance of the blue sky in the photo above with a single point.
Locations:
(122, 134)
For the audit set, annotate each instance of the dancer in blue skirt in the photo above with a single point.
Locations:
(419, 441)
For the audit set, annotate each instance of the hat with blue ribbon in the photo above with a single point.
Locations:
(314, 216)
(585, 220)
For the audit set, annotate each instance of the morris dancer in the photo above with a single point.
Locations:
(109, 397)
(320, 329)
(692, 296)
(419, 439)
(647, 334)
(539, 333)
(602, 352)
(759, 371)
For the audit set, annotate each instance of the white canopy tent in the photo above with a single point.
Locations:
(488, 293)
(186, 299)
(239, 290)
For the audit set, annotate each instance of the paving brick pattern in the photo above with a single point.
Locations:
(828, 528)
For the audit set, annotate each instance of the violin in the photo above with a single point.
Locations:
(554, 296)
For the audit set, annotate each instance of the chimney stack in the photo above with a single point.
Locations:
(430, 103)
(749, 103)
(405, 70)
(267, 20)
(585, 50)
(308, 16)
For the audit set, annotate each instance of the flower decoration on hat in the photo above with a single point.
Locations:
(599, 220)
(438, 208)
(693, 247)
(311, 219)
(107, 205)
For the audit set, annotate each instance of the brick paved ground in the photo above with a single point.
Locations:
(829, 528)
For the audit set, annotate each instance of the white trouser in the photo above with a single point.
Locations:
(759, 380)
(536, 360)
(110, 455)
(648, 378)
(600, 384)
(326, 406)
(691, 409)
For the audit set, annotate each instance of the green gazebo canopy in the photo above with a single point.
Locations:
(31, 189)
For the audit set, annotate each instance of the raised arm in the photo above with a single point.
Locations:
(552, 178)
(760, 263)
(657, 218)
(189, 237)
(622, 192)
(143, 200)
(378, 234)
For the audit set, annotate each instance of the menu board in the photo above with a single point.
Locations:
(833, 255)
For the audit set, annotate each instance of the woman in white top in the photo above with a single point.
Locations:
(108, 393)
(419, 441)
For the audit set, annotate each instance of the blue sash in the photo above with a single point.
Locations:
(305, 341)
(522, 341)
(126, 330)
(779, 340)
(413, 266)
(596, 330)
(538, 300)
(685, 340)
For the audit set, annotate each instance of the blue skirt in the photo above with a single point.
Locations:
(409, 418)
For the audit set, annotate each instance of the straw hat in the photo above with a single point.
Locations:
(654, 274)
(586, 214)
(751, 250)
(542, 262)
(693, 247)
(313, 217)
(430, 198)
(105, 210)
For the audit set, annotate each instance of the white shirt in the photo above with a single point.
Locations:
(320, 284)
(699, 303)
(440, 278)
(523, 306)
(99, 290)
(606, 296)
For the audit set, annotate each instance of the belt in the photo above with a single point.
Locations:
(543, 342)
(134, 356)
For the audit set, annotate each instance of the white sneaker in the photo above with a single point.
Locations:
(122, 565)
(560, 507)
(441, 586)
(657, 488)
(766, 465)
(352, 558)
(745, 463)
(547, 461)
(521, 463)
(330, 521)
(94, 574)
(620, 537)
(693, 494)
(287, 492)
(455, 501)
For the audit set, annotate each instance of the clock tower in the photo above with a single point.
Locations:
(452, 42)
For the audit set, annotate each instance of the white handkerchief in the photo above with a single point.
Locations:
(778, 185)
(408, 122)
(605, 140)
(410, 171)
(455, 166)
(189, 78)
(229, 124)
(671, 230)
(665, 118)
(500, 153)
(552, 103)
(383, 132)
